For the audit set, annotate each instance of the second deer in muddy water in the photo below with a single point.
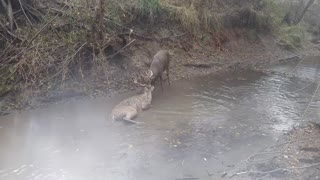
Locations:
(129, 108)
(159, 64)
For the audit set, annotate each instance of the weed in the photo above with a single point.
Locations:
(291, 37)
(149, 8)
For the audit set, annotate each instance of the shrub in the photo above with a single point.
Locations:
(149, 9)
(291, 37)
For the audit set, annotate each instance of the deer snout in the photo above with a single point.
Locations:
(152, 75)
(151, 88)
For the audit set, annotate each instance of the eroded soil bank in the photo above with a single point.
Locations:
(189, 59)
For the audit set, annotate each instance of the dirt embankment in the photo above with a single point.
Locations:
(73, 54)
(190, 57)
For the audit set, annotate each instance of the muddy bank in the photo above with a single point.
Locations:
(296, 155)
(302, 151)
(189, 59)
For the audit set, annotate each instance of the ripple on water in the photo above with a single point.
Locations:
(193, 125)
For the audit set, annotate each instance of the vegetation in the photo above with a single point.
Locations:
(292, 37)
(149, 8)
(46, 47)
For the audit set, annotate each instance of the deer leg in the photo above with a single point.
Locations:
(145, 107)
(168, 75)
(131, 121)
(130, 115)
(160, 77)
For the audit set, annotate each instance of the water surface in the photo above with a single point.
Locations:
(199, 128)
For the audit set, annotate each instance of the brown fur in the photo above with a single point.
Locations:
(160, 63)
(129, 108)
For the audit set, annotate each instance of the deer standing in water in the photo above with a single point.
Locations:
(159, 64)
(129, 108)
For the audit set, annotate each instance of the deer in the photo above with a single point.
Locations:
(129, 108)
(159, 64)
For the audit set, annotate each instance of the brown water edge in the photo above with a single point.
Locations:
(244, 54)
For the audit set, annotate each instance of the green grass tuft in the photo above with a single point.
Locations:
(292, 37)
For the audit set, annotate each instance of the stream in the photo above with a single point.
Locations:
(196, 129)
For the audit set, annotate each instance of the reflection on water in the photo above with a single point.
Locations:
(194, 127)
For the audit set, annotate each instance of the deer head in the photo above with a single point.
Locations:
(143, 79)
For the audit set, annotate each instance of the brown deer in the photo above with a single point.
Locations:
(129, 108)
(159, 64)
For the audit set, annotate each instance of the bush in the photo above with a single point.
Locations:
(48, 53)
(273, 10)
(264, 16)
(148, 10)
(291, 37)
(186, 16)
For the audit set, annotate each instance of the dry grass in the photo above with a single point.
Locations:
(211, 21)
(149, 8)
(195, 18)
(187, 16)
(52, 52)
(292, 37)
(67, 44)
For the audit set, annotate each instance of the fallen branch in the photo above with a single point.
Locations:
(66, 63)
(24, 12)
(57, 11)
(5, 50)
(78, 50)
(113, 55)
(36, 13)
(32, 39)
(4, 37)
(43, 27)
(10, 33)
(18, 55)
(4, 4)
(10, 14)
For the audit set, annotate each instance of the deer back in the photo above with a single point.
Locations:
(160, 62)
(139, 101)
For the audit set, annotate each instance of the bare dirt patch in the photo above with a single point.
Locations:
(302, 152)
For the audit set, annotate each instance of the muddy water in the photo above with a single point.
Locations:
(196, 129)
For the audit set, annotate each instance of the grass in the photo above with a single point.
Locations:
(193, 18)
(73, 28)
(149, 9)
(274, 10)
(211, 21)
(57, 55)
(292, 37)
(188, 18)
(50, 58)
